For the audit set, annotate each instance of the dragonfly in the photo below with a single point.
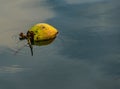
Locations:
(39, 34)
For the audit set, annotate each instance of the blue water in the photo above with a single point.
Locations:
(85, 55)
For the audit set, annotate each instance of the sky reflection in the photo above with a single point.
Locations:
(87, 58)
(20, 15)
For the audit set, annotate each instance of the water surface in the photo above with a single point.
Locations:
(85, 55)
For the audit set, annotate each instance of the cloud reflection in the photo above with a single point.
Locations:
(11, 69)
(88, 58)
(17, 16)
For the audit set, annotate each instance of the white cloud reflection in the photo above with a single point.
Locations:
(11, 69)
(18, 15)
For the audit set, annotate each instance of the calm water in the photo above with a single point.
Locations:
(85, 55)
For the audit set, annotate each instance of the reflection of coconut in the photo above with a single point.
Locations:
(43, 43)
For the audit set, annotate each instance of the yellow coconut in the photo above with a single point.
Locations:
(39, 34)
(43, 32)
